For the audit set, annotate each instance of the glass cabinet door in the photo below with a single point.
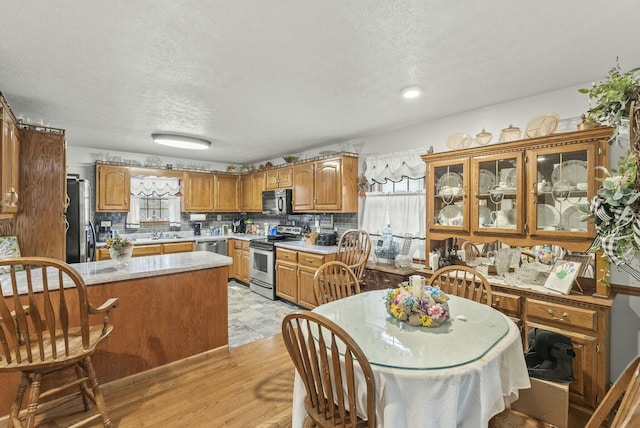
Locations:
(561, 186)
(447, 192)
(497, 187)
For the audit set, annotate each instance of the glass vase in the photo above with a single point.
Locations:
(121, 256)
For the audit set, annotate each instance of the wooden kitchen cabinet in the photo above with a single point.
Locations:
(279, 178)
(239, 252)
(113, 184)
(541, 184)
(198, 192)
(10, 162)
(382, 277)
(250, 188)
(498, 192)
(327, 185)
(225, 192)
(141, 250)
(294, 275)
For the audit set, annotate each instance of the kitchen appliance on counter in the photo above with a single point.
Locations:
(277, 201)
(197, 229)
(81, 235)
(262, 266)
(238, 225)
(327, 238)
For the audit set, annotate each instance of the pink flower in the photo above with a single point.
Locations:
(436, 311)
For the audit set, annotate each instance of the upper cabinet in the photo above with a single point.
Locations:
(250, 191)
(527, 192)
(198, 192)
(280, 178)
(10, 152)
(225, 192)
(113, 184)
(328, 185)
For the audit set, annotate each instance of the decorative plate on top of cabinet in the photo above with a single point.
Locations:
(459, 140)
(543, 125)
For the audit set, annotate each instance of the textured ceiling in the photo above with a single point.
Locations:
(264, 78)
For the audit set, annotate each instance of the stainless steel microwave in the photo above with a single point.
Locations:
(277, 202)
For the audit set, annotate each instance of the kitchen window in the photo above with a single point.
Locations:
(154, 200)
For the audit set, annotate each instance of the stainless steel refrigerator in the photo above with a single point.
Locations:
(81, 235)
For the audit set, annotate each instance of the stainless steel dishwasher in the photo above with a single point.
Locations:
(218, 246)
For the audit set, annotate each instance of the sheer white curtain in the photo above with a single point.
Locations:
(403, 211)
(395, 166)
(167, 187)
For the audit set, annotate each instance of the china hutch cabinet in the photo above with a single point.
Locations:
(527, 193)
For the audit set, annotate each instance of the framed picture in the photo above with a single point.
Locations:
(562, 275)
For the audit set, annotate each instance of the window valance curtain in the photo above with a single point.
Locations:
(395, 166)
(161, 186)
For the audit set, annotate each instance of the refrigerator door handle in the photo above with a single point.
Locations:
(91, 249)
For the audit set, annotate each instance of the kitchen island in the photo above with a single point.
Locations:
(171, 307)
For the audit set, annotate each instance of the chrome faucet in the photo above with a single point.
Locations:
(156, 235)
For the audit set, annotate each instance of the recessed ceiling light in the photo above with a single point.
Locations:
(412, 92)
(181, 141)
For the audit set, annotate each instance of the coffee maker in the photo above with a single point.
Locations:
(238, 225)
(197, 229)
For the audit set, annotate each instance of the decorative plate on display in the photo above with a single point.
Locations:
(487, 180)
(543, 125)
(459, 140)
(508, 176)
(572, 219)
(451, 215)
(548, 217)
(450, 179)
(484, 217)
(572, 171)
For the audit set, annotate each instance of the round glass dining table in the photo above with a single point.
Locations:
(470, 333)
(456, 375)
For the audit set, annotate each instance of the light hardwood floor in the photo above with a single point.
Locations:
(249, 386)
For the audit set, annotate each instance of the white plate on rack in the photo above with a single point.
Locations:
(548, 216)
(451, 215)
(450, 179)
(487, 180)
(573, 171)
(484, 217)
(572, 219)
(508, 175)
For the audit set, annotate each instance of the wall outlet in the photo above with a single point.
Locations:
(219, 217)
(105, 223)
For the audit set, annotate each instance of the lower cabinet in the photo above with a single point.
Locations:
(102, 253)
(584, 319)
(238, 250)
(294, 275)
(381, 277)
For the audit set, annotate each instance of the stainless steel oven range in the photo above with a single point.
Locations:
(262, 266)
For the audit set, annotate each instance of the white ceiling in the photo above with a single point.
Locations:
(263, 78)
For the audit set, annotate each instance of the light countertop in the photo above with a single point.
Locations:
(183, 238)
(302, 246)
(105, 271)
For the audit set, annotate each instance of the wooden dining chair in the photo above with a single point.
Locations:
(626, 392)
(327, 360)
(44, 328)
(354, 249)
(462, 281)
(334, 280)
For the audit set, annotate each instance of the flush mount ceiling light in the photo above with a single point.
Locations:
(412, 92)
(181, 141)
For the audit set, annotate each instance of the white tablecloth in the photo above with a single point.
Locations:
(463, 396)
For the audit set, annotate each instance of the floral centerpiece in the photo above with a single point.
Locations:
(418, 306)
(120, 250)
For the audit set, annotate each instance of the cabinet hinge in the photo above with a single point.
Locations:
(597, 398)
(526, 159)
(526, 227)
(598, 348)
(599, 150)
